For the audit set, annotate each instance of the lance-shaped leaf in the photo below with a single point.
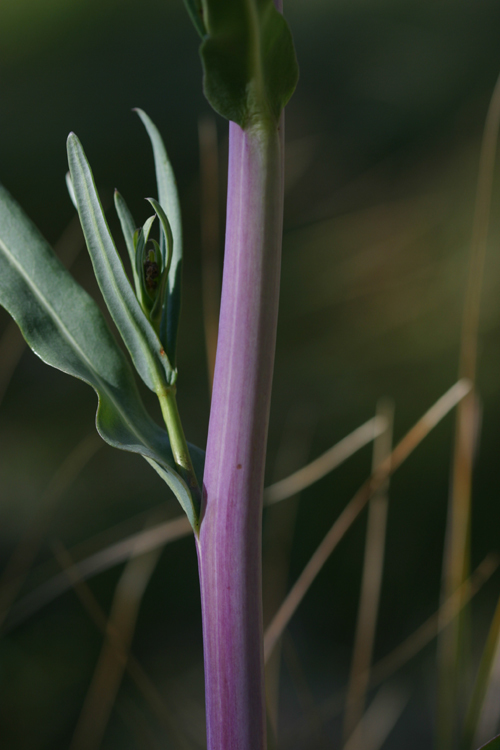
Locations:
(147, 352)
(71, 192)
(169, 200)
(66, 329)
(140, 239)
(250, 69)
(167, 242)
(195, 10)
(128, 226)
(161, 301)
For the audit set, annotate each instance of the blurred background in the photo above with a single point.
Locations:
(384, 135)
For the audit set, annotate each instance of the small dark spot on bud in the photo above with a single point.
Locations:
(239, 466)
(151, 272)
(162, 352)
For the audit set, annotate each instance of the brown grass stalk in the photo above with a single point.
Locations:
(456, 563)
(371, 585)
(17, 568)
(114, 636)
(386, 667)
(402, 450)
(179, 527)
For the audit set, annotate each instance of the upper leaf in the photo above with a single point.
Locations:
(66, 329)
(168, 199)
(195, 10)
(250, 68)
(128, 226)
(144, 346)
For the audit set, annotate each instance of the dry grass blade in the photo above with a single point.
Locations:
(370, 585)
(144, 541)
(304, 694)
(210, 260)
(325, 463)
(489, 720)
(278, 532)
(139, 543)
(133, 667)
(479, 728)
(403, 449)
(111, 665)
(411, 646)
(12, 346)
(446, 613)
(21, 560)
(379, 720)
(455, 567)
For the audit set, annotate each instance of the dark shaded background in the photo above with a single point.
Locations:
(383, 141)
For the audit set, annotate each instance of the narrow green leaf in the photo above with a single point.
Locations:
(66, 329)
(157, 253)
(144, 346)
(71, 192)
(169, 201)
(128, 226)
(147, 227)
(250, 68)
(493, 744)
(195, 10)
(140, 238)
(183, 494)
(168, 241)
(140, 246)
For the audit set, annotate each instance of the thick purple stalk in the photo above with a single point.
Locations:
(229, 545)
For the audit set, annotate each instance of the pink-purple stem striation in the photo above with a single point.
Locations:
(229, 543)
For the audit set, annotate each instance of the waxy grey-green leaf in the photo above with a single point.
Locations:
(128, 226)
(146, 350)
(249, 63)
(66, 329)
(140, 239)
(167, 243)
(71, 192)
(169, 200)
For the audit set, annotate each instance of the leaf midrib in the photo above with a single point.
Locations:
(74, 344)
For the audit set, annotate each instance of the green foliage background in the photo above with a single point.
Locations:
(383, 143)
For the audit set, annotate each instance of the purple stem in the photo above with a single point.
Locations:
(229, 544)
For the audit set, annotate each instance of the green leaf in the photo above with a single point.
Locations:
(66, 329)
(71, 192)
(169, 201)
(147, 227)
(128, 229)
(145, 348)
(250, 68)
(167, 238)
(493, 744)
(195, 10)
(141, 236)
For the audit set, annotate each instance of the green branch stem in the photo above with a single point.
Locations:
(178, 443)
